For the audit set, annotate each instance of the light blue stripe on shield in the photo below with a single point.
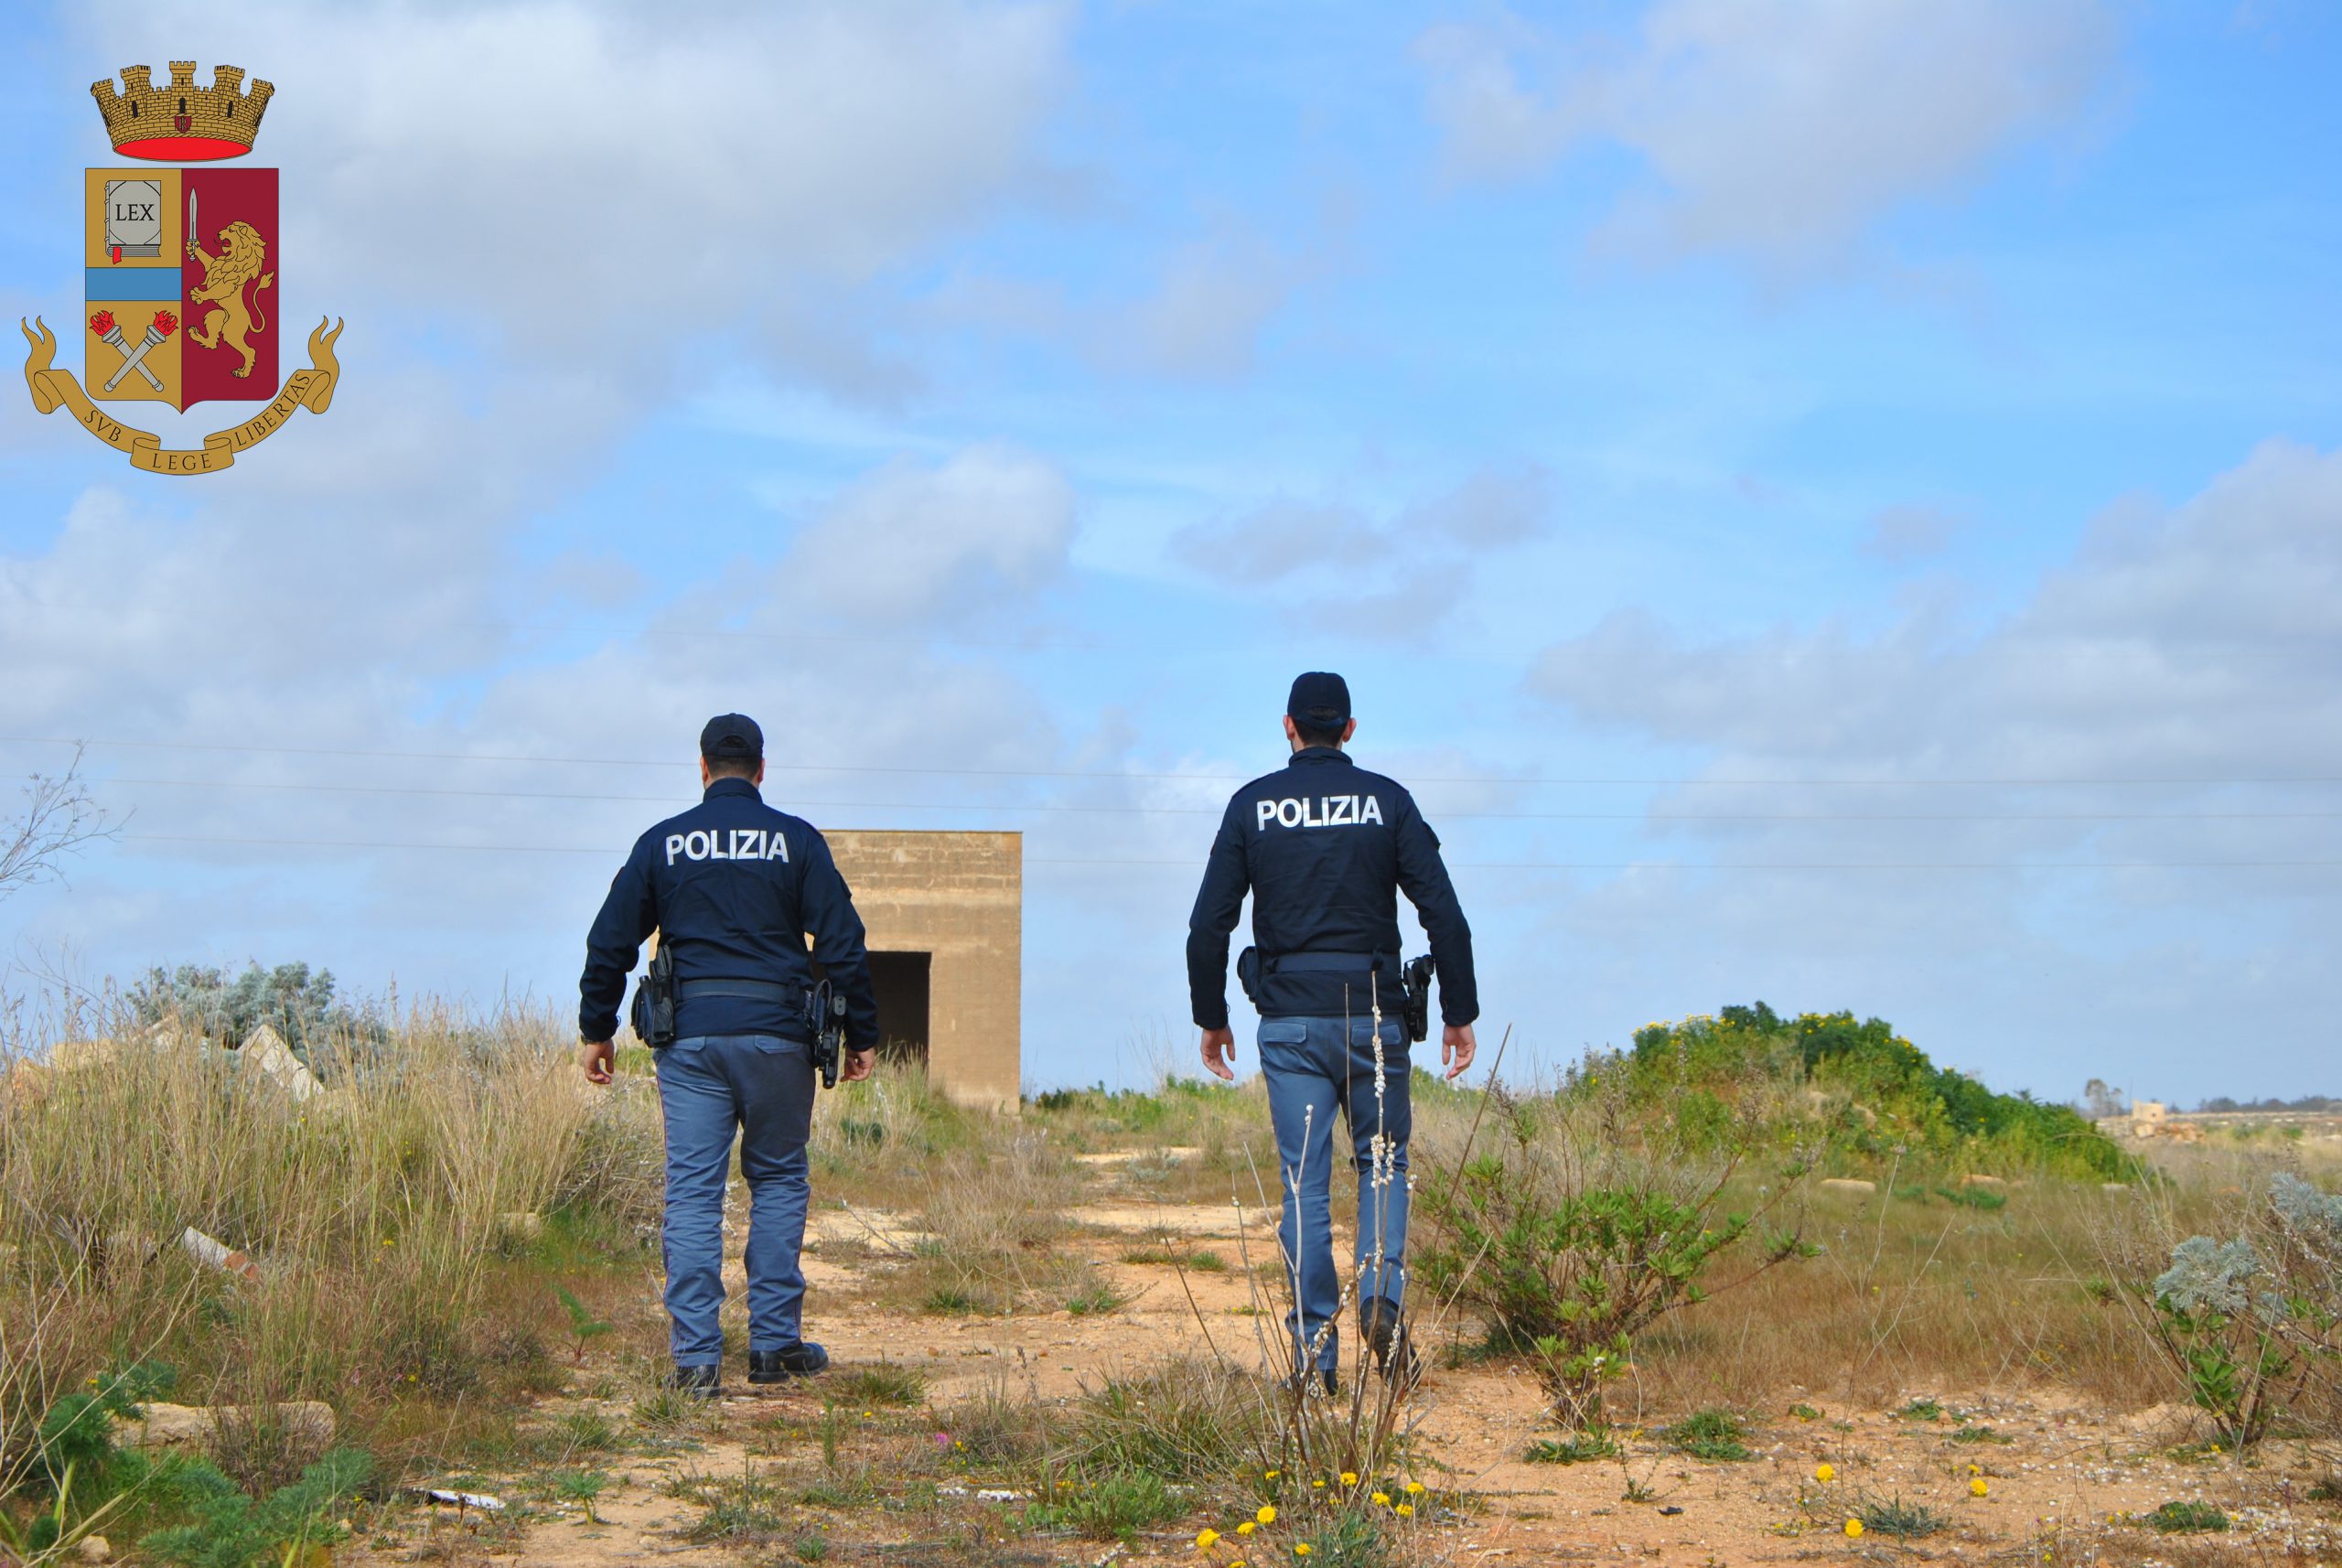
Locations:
(133, 283)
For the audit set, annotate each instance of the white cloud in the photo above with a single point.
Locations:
(2194, 642)
(1335, 565)
(966, 541)
(1203, 317)
(1775, 130)
(1280, 539)
(1495, 507)
(1199, 316)
(1899, 535)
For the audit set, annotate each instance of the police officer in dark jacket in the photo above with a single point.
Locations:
(1325, 848)
(734, 888)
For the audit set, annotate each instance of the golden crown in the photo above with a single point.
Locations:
(181, 120)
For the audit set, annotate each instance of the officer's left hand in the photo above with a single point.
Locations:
(1456, 1048)
(594, 1057)
(1219, 1050)
(858, 1066)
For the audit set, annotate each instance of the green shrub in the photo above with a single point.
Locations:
(1117, 1507)
(2248, 1324)
(1578, 1448)
(1714, 1434)
(1905, 1522)
(1582, 1230)
(887, 1382)
(1751, 1054)
(229, 1529)
(1352, 1538)
(1095, 1299)
(2187, 1519)
(297, 1004)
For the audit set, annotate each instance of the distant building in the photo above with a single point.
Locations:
(946, 917)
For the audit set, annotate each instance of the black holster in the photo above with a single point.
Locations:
(1418, 993)
(654, 1001)
(1248, 974)
(826, 1020)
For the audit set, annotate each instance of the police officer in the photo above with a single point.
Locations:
(1325, 847)
(733, 889)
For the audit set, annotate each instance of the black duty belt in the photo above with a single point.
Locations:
(1324, 962)
(746, 990)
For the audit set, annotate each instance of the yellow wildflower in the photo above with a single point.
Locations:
(1414, 1486)
(1404, 1510)
(1978, 1486)
(1317, 1486)
(1349, 1477)
(1247, 1528)
(1301, 1549)
(1271, 1475)
(1381, 1498)
(1824, 1473)
(1854, 1527)
(1204, 1539)
(1268, 1514)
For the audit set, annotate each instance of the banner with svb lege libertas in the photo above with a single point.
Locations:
(182, 276)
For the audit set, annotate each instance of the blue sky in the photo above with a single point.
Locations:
(1829, 502)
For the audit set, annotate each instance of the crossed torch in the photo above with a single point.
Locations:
(165, 324)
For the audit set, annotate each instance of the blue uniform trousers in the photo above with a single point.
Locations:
(710, 1087)
(1312, 1066)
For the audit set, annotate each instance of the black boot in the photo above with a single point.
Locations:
(700, 1382)
(1384, 1333)
(801, 1359)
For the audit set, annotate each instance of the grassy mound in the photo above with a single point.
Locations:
(1879, 1090)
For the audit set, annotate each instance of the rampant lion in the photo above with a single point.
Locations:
(220, 310)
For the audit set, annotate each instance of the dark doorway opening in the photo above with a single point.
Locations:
(900, 979)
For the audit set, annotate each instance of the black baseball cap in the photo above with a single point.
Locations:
(732, 738)
(1319, 698)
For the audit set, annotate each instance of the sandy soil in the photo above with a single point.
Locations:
(2057, 1489)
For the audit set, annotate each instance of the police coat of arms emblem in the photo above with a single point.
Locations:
(182, 268)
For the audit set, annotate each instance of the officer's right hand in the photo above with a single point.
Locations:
(1219, 1051)
(594, 1057)
(858, 1066)
(1456, 1048)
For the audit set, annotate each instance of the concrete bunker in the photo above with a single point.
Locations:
(945, 915)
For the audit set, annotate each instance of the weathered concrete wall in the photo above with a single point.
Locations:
(958, 898)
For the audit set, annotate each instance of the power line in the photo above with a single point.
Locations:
(1195, 864)
(1679, 780)
(676, 800)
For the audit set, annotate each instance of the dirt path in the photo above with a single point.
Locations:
(2016, 1477)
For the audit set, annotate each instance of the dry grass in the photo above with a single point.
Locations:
(391, 1287)
(372, 1213)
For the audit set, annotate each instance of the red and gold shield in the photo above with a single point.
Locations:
(181, 293)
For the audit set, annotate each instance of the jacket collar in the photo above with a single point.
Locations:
(1320, 754)
(732, 787)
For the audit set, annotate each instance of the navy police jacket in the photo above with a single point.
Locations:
(734, 888)
(1325, 847)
